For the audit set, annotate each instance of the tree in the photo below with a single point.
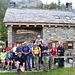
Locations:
(51, 6)
(3, 29)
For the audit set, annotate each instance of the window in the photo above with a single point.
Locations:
(70, 45)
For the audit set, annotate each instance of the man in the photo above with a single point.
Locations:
(31, 55)
(45, 56)
(20, 62)
(39, 40)
(36, 53)
(19, 48)
(26, 52)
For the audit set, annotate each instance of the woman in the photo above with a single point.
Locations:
(53, 50)
(2, 56)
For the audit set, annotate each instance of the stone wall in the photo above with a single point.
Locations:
(59, 33)
(10, 35)
(30, 34)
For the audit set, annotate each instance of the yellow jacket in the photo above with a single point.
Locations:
(36, 50)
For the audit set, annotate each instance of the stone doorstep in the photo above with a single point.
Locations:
(14, 70)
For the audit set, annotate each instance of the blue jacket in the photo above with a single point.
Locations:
(9, 56)
(45, 48)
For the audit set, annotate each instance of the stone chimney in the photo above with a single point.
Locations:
(69, 6)
(12, 4)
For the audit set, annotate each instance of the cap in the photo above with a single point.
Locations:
(25, 42)
(35, 44)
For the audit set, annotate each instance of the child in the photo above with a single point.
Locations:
(2, 56)
(9, 59)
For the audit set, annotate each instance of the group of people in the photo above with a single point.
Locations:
(35, 55)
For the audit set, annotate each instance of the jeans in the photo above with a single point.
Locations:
(28, 62)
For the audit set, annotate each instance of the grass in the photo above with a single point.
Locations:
(59, 71)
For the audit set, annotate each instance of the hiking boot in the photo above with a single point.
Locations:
(8, 68)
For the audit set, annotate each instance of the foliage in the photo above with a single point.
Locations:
(47, 6)
(51, 6)
(3, 30)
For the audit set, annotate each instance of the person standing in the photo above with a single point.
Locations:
(36, 51)
(39, 40)
(45, 56)
(31, 55)
(53, 50)
(53, 53)
(14, 50)
(26, 52)
(60, 52)
(19, 48)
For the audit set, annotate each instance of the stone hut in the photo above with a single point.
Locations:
(53, 25)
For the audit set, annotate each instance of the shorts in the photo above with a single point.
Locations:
(8, 61)
(2, 60)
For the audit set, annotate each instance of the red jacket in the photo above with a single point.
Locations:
(53, 51)
(8, 48)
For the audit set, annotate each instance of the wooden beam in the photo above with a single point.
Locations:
(34, 25)
(27, 25)
(37, 23)
(42, 25)
(19, 25)
(11, 25)
(49, 25)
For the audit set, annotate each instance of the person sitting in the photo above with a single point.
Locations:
(20, 62)
(9, 59)
(2, 56)
(9, 47)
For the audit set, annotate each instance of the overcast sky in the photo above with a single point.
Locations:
(62, 1)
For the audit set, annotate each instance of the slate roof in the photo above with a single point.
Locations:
(39, 15)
